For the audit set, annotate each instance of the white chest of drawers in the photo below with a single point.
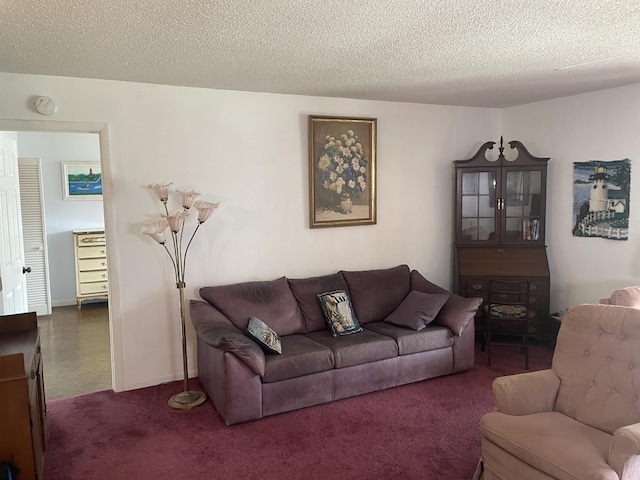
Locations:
(91, 265)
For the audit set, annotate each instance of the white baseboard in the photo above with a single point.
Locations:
(152, 382)
(63, 303)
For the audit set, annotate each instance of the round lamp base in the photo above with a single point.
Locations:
(187, 400)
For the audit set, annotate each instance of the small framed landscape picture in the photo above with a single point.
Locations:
(342, 171)
(82, 180)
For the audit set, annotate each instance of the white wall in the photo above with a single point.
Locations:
(248, 150)
(63, 216)
(603, 125)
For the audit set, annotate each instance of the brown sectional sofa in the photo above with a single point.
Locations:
(315, 367)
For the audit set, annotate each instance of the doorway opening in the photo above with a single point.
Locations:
(79, 341)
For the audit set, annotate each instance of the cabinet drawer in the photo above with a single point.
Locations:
(93, 276)
(92, 264)
(90, 239)
(476, 288)
(95, 287)
(92, 252)
(538, 286)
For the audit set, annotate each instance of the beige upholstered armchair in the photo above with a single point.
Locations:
(580, 420)
(627, 297)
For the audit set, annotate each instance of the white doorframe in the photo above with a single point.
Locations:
(115, 307)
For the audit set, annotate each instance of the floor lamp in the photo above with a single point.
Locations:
(187, 399)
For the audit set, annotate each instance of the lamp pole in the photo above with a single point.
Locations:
(187, 399)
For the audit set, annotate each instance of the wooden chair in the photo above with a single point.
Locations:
(506, 316)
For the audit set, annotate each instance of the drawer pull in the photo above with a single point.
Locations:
(532, 287)
(92, 240)
(33, 374)
(476, 286)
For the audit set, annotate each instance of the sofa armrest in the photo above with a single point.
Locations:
(624, 454)
(526, 393)
(215, 330)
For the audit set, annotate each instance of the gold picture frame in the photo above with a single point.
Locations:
(342, 171)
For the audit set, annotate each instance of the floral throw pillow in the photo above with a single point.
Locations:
(338, 311)
(264, 336)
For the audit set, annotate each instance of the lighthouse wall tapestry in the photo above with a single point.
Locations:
(82, 180)
(342, 171)
(601, 193)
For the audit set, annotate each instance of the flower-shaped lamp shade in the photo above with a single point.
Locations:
(176, 221)
(162, 191)
(156, 230)
(188, 198)
(205, 209)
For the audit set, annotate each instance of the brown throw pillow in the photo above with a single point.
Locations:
(459, 312)
(417, 310)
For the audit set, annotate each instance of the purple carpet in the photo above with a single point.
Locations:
(425, 430)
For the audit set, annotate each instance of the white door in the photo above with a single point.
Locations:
(13, 285)
(35, 235)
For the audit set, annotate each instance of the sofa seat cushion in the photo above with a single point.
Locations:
(356, 349)
(306, 291)
(553, 443)
(376, 293)
(270, 301)
(300, 356)
(433, 337)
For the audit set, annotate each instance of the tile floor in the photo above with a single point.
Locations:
(75, 350)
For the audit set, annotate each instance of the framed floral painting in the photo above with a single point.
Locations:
(342, 171)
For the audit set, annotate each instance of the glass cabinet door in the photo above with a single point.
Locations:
(522, 205)
(478, 205)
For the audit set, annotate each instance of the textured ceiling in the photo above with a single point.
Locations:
(491, 53)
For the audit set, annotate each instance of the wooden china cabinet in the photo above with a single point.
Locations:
(500, 227)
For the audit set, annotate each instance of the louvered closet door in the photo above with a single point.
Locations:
(34, 233)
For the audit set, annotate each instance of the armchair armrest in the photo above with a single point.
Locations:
(526, 393)
(213, 328)
(624, 455)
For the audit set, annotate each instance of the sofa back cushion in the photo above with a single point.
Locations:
(270, 301)
(306, 291)
(418, 282)
(376, 293)
(597, 359)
